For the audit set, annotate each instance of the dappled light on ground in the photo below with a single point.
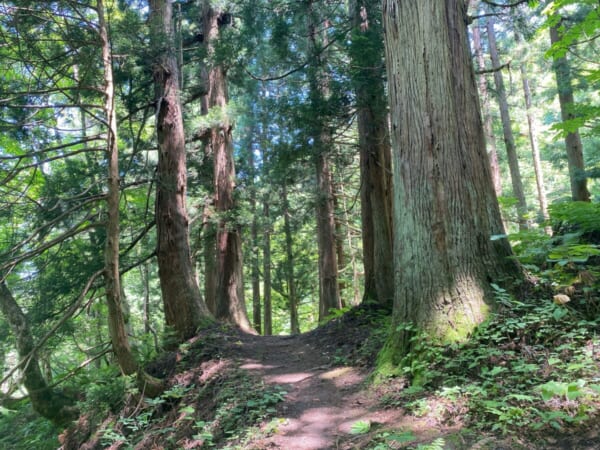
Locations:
(323, 402)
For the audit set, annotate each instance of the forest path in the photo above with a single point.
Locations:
(324, 399)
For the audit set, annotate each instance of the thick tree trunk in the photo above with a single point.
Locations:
(184, 308)
(116, 321)
(509, 140)
(289, 266)
(329, 294)
(267, 300)
(375, 151)
(579, 190)
(488, 128)
(445, 209)
(230, 304)
(44, 400)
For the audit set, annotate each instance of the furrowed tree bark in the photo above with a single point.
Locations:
(184, 307)
(375, 151)
(577, 178)
(44, 400)
(230, 304)
(329, 294)
(509, 140)
(445, 209)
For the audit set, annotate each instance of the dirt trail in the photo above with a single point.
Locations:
(323, 400)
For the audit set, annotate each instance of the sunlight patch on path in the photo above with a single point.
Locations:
(311, 431)
(256, 366)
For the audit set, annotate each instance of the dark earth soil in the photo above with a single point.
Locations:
(323, 374)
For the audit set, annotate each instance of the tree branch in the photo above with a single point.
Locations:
(493, 69)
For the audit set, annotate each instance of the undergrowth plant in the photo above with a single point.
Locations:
(22, 429)
(225, 412)
(526, 368)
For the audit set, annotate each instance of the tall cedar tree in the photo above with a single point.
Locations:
(183, 305)
(488, 128)
(509, 139)
(116, 321)
(375, 151)
(535, 149)
(562, 69)
(149, 385)
(321, 135)
(254, 260)
(289, 262)
(445, 209)
(229, 296)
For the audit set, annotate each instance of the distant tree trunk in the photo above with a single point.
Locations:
(256, 313)
(375, 151)
(488, 128)
(356, 293)
(116, 321)
(579, 190)
(289, 266)
(184, 308)
(339, 243)
(230, 304)
(145, 276)
(267, 268)
(44, 400)
(535, 150)
(445, 209)
(329, 294)
(509, 140)
(209, 240)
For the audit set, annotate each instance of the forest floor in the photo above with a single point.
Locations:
(231, 390)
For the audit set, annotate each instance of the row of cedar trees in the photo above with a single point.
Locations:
(428, 201)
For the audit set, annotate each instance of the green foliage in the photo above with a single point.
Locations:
(237, 405)
(336, 313)
(437, 444)
(242, 403)
(576, 34)
(532, 365)
(579, 217)
(570, 391)
(23, 429)
(105, 391)
(360, 427)
(569, 259)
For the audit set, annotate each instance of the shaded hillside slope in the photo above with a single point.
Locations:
(231, 390)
